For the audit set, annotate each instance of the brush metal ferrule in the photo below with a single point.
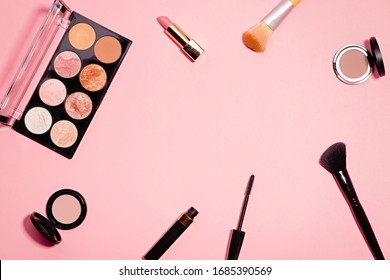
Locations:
(278, 14)
(189, 46)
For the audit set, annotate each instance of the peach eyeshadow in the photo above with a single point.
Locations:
(82, 36)
(108, 49)
(63, 134)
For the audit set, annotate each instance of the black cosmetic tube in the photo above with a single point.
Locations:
(345, 184)
(171, 235)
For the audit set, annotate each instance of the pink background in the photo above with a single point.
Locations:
(172, 134)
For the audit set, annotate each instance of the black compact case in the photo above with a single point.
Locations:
(74, 203)
(73, 84)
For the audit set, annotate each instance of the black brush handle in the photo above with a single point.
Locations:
(345, 183)
(171, 235)
(236, 240)
(367, 231)
(166, 241)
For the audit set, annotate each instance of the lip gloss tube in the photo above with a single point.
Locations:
(171, 235)
(188, 45)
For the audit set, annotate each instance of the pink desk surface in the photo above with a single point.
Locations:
(171, 134)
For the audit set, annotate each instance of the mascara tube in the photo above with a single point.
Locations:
(171, 235)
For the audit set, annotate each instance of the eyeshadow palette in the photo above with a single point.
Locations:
(73, 85)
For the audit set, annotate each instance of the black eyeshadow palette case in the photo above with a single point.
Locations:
(57, 112)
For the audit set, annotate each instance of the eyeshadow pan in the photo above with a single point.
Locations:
(82, 36)
(78, 105)
(52, 92)
(38, 120)
(66, 209)
(93, 77)
(67, 64)
(108, 49)
(63, 134)
(354, 63)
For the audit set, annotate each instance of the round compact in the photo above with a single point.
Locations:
(65, 209)
(353, 64)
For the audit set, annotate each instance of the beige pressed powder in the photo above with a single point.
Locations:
(66, 209)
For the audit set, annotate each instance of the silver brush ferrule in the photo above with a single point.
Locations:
(278, 14)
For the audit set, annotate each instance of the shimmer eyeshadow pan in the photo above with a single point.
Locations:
(67, 64)
(93, 77)
(38, 120)
(64, 134)
(52, 92)
(68, 93)
(78, 105)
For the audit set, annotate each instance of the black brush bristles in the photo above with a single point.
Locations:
(334, 158)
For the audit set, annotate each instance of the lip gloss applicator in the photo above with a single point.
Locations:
(188, 45)
(171, 235)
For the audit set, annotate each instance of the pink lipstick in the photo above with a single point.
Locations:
(188, 45)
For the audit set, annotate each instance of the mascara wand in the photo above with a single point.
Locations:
(237, 235)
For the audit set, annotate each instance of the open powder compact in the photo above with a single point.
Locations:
(353, 64)
(65, 209)
(55, 105)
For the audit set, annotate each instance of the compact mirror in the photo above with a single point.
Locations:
(353, 64)
(65, 209)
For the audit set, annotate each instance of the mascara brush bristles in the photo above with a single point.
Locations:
(245, 202)
(250, 185)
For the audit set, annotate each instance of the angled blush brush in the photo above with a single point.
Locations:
(257, 37)
(237, 235)
(334, 160)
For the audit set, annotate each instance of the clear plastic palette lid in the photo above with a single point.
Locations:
(20, 91)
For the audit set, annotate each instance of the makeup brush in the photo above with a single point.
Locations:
(237, 235)
(257, 37)
(334, 160)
